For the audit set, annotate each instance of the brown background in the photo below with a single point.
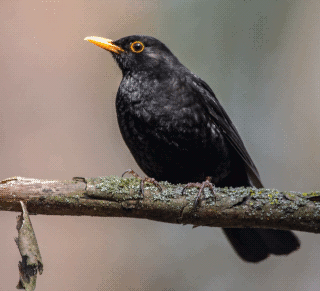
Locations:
(57, 120)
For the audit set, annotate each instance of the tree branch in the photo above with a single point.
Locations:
(120, 197)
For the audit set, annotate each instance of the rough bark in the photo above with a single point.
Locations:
(120, 197)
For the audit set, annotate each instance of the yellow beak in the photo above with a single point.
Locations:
(105, 43)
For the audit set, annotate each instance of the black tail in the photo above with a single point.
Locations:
(255, 244)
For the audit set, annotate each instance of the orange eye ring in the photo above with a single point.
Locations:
(137, 47)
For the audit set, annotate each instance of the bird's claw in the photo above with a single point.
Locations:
(204, 184)
(133, 173)
(143, 180)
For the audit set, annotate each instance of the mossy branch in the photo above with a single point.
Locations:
(120, 197)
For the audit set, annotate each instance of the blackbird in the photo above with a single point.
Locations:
(177, 131)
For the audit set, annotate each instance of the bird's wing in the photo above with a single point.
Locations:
(222, 120)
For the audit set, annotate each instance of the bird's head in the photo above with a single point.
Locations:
(137, 53)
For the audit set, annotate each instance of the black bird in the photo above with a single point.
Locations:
(177, 131)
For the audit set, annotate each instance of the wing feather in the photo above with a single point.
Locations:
(222, 120)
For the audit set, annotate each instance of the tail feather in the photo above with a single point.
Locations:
(255, 245)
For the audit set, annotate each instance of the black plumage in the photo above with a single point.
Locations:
(177, 131)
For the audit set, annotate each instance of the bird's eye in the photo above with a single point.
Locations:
(137, 47)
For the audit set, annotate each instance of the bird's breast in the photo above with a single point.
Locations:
(164, 103)
(168, 132)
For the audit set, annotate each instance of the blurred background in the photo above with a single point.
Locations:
(57, 120)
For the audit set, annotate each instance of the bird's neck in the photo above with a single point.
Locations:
(145, 89)
(147, 76)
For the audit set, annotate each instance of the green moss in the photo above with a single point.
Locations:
(120, 189)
